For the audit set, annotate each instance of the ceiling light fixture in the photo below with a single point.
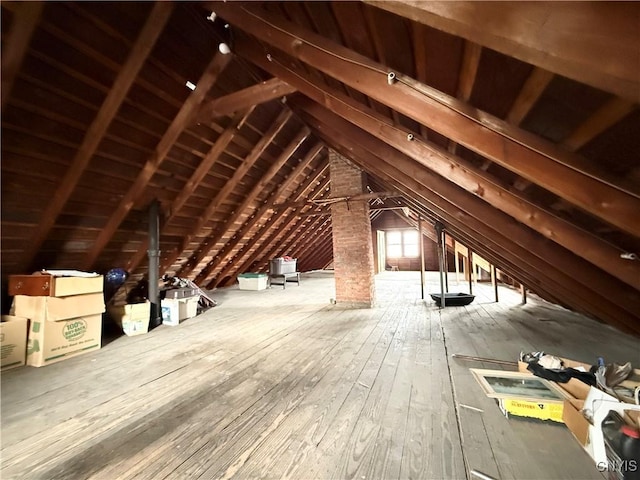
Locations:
(212, 17)
(224, 48)
(190, 86)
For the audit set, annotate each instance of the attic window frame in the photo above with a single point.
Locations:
(404, 244)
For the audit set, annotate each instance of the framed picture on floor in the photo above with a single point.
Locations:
(524, 386)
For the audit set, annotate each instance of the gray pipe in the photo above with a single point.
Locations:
(154, 263)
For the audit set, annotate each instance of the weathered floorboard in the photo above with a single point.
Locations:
(282, 384)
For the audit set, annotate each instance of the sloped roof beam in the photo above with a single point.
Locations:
(246, 205)
(567, 38)
(221, 143)
(26, 16)
(529, 156)
(259, 215)
(510, 239)
(470, 61)
(605, 117)
(179, 123)
(95, 133)
(274, 241)
(222, 195)
(463, 173)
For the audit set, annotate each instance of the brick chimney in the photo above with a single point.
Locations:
(352, 247)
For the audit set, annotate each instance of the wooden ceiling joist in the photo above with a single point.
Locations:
(462, 172)
(179, 123)
(259, 242)
(96, 132)
(519, 151)
(531, 91)
(567, 38)
(266, 248)
(259, 215)
(243, 99)
(513, 241)
(218, 148)
(26, 16)
(605, 117)
(551, 284)
(246, 207)
(247, 204)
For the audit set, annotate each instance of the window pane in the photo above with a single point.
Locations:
(394, 238)
(410, 237)
(394, 251)
(411, 250)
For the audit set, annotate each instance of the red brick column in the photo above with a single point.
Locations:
(352, 248)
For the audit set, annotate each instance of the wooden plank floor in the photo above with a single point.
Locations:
(283, 384)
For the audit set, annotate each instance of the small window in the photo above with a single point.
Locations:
(403, 243)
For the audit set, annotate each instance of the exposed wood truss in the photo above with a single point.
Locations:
(227, 105)
(546, 41)
(520, 136)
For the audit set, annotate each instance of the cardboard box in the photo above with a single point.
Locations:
(54, 341)
(575, 421)
(132, 318)
(13, 341)
(253, 281)
(45, 284)
(57, 308)
(188, 307)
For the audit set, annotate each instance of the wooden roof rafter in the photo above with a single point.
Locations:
(179, 123)
(465, 175)
(280, 222)
(516, 150)
(514, 241)
(26, 18)
(286, 219)
(222, 195)
(570, 39)
(212, 156)
(469, 70)
(243, 233)
(246, 205)
(98, 128)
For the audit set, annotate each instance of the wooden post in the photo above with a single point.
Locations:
(470, 268)
(445, 262)
(494, 280)
(456, 258)
(439, 227)
(421, 257)
(523, 291)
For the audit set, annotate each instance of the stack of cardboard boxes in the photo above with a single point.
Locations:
(64, 313)
(13, 340)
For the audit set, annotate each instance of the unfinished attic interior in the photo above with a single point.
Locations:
(202, 141)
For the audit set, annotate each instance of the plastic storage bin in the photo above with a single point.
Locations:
(280, 266)
(253, 281)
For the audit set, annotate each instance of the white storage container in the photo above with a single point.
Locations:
(253, 281)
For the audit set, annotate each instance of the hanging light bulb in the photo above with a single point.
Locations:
(224, 48)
